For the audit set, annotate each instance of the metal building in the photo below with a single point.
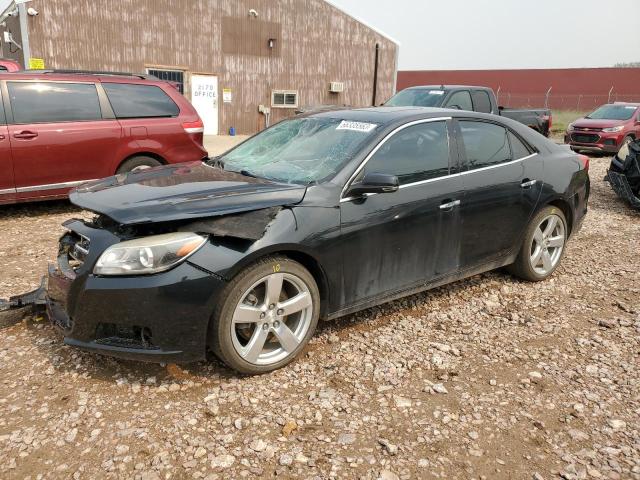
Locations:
(241, 62)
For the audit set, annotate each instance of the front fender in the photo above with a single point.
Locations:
(307, 233)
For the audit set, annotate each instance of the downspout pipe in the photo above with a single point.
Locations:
(375, 75)
(24, 34)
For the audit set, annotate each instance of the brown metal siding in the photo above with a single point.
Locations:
(316, 44)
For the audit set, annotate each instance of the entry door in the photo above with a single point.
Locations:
(502, 186)
(7, 185)
(394, 241)
(204, 97)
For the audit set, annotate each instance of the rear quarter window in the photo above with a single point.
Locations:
(140, 101)
(518, 148)
(51, 102)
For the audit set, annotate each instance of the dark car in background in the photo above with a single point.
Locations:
(314, 218)
(471, 98)
(606, 129)
(58, 130)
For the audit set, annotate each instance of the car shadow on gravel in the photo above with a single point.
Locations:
(38, 209)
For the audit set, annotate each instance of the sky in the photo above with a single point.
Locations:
(494, 34)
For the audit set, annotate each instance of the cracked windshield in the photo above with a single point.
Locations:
(304, 150)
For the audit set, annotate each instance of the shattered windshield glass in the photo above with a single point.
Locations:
(301, 150)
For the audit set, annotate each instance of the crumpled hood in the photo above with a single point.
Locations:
(181, 192)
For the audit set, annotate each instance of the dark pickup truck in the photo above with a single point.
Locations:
(466, 97)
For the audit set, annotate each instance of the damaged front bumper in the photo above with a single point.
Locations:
(162, 317)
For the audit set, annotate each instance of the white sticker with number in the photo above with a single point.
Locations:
(356, 126)
(436, 92)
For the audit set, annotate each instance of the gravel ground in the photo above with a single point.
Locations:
(487, 378)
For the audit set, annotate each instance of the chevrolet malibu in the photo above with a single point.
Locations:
(314, 218)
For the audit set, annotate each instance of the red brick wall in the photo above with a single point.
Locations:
(571, 88)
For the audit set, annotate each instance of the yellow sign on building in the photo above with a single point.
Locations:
(36, 64)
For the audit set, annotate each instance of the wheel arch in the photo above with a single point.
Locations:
(153, 155)
(566, 209)
(292, 251)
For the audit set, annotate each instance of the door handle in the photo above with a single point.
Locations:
(526, 183)
(449, 205)
(26, 134)
(2, 137)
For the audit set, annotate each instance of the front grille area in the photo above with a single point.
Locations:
(585, 138)
(74, 249)
(587, 129)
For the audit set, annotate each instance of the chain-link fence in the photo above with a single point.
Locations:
(559, 101)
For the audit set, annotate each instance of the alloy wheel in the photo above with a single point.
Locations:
(547, 244)
(272, 319)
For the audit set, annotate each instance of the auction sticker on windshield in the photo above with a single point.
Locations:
(436, 92)
(356, 126)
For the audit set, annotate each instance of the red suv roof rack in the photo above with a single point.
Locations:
(92, 72)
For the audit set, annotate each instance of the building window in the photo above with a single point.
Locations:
(175, 77)
(284, 98)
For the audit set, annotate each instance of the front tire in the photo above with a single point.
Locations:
(266, 316)
(543, 246)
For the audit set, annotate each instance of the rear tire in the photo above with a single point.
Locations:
(543, 246)
(138, 163)
(263, 294)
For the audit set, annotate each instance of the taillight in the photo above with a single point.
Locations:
(550, 120)
(196, 130)
(585, 161)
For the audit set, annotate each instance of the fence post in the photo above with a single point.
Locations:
(546, 98)
(609, 97)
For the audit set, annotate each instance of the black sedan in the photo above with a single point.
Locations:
(314, 218)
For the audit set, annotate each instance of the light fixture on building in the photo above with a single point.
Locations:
(272, 42)
(253, 13)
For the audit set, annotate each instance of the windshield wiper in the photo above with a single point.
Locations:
(216, 161)
(247, 173)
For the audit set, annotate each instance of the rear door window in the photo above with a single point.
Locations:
(485, 144)
(481, 101)
(51, 102)
(416, 153)
(461, 100)
(140, 101)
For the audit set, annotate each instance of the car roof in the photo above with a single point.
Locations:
(630, 104)
(389, 115)
(446, 87)
(79, 77)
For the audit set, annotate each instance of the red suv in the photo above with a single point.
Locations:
(58, 130)
(605, 129)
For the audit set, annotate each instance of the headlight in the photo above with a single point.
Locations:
(613, 129)
(148, 255)
(570, 127)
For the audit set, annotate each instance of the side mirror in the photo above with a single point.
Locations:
(500, 108)
(374, 183)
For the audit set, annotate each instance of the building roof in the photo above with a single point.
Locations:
(359, 20)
